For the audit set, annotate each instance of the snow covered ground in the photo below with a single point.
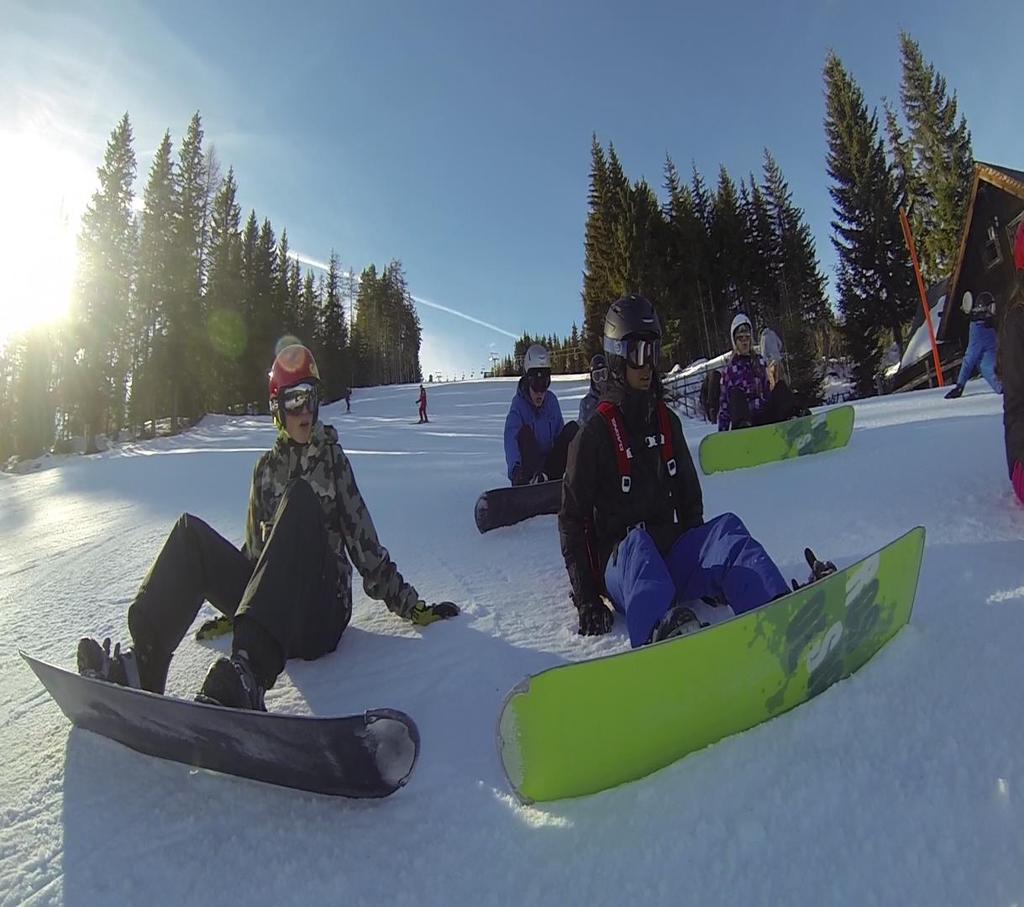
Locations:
(901, 785)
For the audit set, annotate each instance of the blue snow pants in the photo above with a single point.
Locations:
(981, 352)
(719, 559)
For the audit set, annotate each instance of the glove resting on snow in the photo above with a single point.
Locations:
(214, 627)
(595, 618)
(423, 614)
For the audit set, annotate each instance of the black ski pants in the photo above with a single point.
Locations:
(780, 406)
(284, 606)
(532, 460)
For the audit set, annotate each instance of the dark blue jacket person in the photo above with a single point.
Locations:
(536, 437)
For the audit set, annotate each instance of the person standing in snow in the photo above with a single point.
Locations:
(751, 392)
(981, 344)
(598, 376)
(422, 401)
(288, 591)
(536, 438)
(631, 524)
(1011, 368)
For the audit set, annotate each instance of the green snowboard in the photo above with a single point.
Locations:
(724, 450)
(585, 727)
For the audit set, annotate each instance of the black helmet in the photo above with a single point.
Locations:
(631, 315)
(598, 361)
(628, 320)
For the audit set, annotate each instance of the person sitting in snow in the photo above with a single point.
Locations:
(981, 344)
(631, 523)
(536, 439)
(751, 392)
(1011, 368)
(598, 376)
(289, 589)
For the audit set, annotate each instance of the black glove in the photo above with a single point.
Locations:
(595, 618)
(424, 614)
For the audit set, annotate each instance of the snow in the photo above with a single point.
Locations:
(900, 785)
(920, 343)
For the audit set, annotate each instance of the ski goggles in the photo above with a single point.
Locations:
(637, 351)
(599, 375)
(538, 379)
(299, 398)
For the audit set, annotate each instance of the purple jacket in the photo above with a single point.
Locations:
(750, 375)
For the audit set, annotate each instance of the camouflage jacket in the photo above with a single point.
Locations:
(324, 465)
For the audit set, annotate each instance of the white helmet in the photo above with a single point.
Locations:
(536, 357)
(737, 321)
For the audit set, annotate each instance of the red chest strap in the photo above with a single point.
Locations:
(623, 453)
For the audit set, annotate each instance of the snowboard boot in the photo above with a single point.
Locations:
(819, 569)
(954, 392)
(679, 620)
(537, 479)
(120, 666)
(231, 682)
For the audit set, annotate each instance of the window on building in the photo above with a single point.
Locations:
(992, 253)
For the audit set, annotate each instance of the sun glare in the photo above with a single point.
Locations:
(43, 191)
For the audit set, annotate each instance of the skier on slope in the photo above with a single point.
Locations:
(598, 376)
(632, 516)
(752, 393)
(1011, 368)
(536, 439)
(981, 344)
(422, 401)
(289, 590)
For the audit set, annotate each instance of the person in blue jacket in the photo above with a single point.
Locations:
(981, 344)
(536, 438)
(598, 376)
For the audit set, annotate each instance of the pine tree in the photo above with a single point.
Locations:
(942, 160)
(334, 334)
(226, 325)
(802, 304)
(875, 279)
(157, 291)
(93, 385)
(598, 293)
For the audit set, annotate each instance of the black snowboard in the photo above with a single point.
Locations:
(505, 506)
(368, 755)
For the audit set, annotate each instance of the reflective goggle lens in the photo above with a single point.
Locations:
(298, 398)
(538, 380)
(641, 351)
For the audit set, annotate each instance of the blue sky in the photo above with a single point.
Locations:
(456, 136)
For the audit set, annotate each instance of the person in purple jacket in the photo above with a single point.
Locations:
(536, 438)
(752, 393)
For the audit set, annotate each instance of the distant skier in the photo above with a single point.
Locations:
(422, 401)
(632, 516)
(598, 376)
(289, 590)
(1011, 368)
(536, 438)
(752, 394)
(981, 344)
(348, 399)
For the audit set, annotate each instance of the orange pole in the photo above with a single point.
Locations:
(924, 294)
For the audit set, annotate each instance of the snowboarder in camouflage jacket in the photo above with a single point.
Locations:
(288, 592)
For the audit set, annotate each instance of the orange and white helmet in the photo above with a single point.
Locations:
(292, 366)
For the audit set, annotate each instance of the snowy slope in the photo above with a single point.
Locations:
(901, 785)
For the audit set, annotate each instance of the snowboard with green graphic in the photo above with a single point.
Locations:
(585, 727)
(738, 449)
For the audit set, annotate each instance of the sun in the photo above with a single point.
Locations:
(43, 190)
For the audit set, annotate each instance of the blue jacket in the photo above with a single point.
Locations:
(546, 423)
(588, 405)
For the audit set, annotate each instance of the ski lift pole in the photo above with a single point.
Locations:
(908, 236)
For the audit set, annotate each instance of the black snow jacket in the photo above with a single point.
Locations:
(1011, 368)
(596, 514)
